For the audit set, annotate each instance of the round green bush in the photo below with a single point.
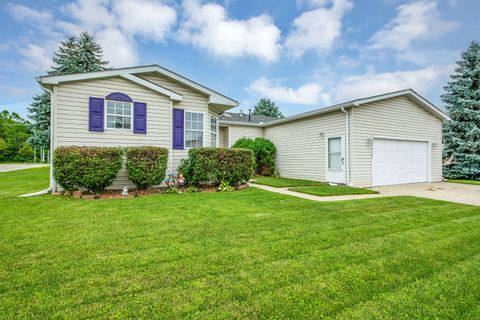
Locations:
(146, 165)
(264, 151)
(93, 168)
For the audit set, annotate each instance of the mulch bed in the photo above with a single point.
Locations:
(133, 193)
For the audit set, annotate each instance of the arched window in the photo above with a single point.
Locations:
(119, 111)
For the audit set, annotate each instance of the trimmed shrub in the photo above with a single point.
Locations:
(245, 143)
(264, 151)
(265, 155)
(93, 168)
(213, 165)
(66, 162)
(146, 165)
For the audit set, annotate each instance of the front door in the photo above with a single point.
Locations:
(335, 159)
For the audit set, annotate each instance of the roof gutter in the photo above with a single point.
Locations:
(347, 146)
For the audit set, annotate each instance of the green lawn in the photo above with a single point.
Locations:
(476, 182)
(284, 182)
(247, 254)
(328, 190)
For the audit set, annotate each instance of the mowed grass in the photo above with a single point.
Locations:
(279, 182)
(247, 254)
(327, 190)
(475, 182)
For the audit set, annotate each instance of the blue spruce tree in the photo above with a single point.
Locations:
(461, 134)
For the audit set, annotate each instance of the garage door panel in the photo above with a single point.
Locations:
(399, 161)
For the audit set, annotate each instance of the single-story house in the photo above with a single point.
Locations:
(391, 138)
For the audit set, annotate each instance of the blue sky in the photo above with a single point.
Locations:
(303, 54)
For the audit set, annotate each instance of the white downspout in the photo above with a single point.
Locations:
(52, 107)
(347, 148)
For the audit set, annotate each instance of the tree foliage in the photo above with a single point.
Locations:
(461, 134)
(267, 107)
(82, 54)
(14, 132)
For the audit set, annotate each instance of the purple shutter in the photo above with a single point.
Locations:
(178, 129)
(95, 114)
(140, 117)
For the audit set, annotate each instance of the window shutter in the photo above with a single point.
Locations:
(140, 117)
(95, 116)
(178, 122)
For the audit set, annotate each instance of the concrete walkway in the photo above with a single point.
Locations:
(20, 166)
(315, 198)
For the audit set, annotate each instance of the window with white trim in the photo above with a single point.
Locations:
(213, 131)
(119, 115)
(193, 129)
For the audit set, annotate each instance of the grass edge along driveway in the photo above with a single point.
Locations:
(328, 190)
(247, 254)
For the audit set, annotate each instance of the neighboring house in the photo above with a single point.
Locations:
(237, 125)
(147, 105)
(387, 139)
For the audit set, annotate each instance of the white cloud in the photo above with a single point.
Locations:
(92, 14)
(208, 27)
(22, 13)
(14, 91)
(415, 21)
(317, 29)
(371, 83)
(309, 94)
(117, 48)
(36, 58)
(340, 89)
(152, 19)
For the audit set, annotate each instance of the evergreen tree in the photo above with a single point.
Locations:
(74, 55)
(89, 54)
(65, 59)
(39, 113)
(267, 107)
(461, 134)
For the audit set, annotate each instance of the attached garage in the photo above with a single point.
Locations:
(388, 139)
(399, 161)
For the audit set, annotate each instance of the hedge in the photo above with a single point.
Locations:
(93, 168)
(214, 165)
(146, 165)
(264, 151)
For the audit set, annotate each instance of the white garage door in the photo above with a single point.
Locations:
(399, 161)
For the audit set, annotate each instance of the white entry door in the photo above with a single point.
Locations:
(399, 161)
(335, 161)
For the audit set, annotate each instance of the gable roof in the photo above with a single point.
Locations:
(131, 74)
(233, 117)
(409, 93)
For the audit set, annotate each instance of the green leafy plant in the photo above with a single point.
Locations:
(146, 165)
(213, 165)
(193, 189)
(170, 190)
(93, 168)
(264, 151)
(225, 187)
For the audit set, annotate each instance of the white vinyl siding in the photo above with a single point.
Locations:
(301, 144)
(398, 118)
(192, 100)
(223, 137)
(71, 118)
(237, 132)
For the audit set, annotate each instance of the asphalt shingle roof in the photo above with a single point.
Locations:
(238, 117)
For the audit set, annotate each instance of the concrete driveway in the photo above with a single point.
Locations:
(19, 166)
(454, 192)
